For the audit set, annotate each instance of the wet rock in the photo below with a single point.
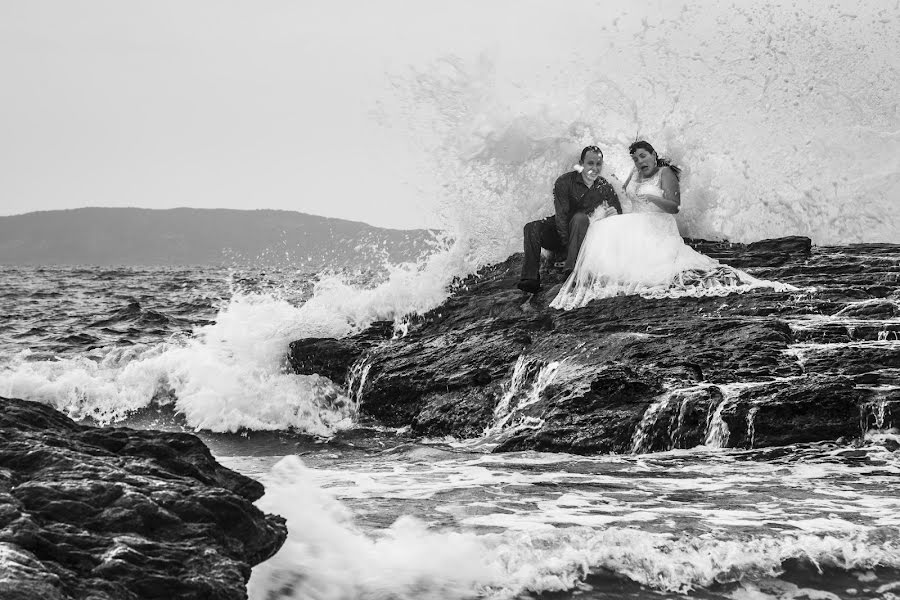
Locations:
(633, 374)
(810, 409)
(881, 412)
(121, 514)
(464, 413)
(764, 253)
(682, 420)
(586, 415)
(445, 366)
(333, 358)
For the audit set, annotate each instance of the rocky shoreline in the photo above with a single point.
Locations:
(120, 514)
(630, 374)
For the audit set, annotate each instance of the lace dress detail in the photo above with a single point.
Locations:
(642, 252)
(639, 192)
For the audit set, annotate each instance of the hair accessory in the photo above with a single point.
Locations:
(578, 167)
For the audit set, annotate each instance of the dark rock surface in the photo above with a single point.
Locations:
(633, 374)
(121, 514)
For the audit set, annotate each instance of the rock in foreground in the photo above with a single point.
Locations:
(630, 374)
(121, 514)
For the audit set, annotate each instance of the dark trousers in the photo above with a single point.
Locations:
(543, 234)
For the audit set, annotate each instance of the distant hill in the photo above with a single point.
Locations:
(190, 236)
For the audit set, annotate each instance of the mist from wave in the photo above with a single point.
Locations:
(783, 115)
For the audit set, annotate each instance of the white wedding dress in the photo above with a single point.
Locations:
(642, 252)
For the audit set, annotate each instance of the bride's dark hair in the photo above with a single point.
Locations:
(660, 162)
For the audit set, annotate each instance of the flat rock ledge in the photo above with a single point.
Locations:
(122, 514)
(630, 374)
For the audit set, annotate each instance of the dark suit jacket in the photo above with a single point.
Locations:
(571, 195)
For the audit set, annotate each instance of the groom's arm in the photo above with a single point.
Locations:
(608, 194)
(561, 206)
(613, 200)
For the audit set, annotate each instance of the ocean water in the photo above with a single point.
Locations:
(374, 513)
(785, 117)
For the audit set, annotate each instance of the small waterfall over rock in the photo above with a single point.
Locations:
(751, 424)
(675, 419)
(678, 426)
(516, 381)
(356, 378)
(717, 431)
(640, 441)
(880, 413)
(519, 396)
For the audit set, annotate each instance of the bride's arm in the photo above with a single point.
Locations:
(671, 190)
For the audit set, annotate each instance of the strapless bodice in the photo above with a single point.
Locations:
(639, 190)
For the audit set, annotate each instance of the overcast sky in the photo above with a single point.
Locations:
(280, 103)
(224, 103)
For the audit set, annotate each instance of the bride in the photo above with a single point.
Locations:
(642, 252)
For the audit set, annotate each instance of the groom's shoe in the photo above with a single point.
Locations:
(529, 286)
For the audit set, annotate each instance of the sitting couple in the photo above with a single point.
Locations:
(619, 250)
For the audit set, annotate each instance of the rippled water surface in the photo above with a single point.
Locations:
(816, 521)
(59, 311)
(375, 514)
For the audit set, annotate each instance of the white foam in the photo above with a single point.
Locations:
(231, 374)
(228, 376)
(775, 113)
(328, 556)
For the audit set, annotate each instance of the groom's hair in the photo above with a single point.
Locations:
(590, 149)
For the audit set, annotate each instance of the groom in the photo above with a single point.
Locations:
(575, 196)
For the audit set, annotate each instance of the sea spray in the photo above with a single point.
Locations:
(228, 376)
(231, 374)
(745, 97)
